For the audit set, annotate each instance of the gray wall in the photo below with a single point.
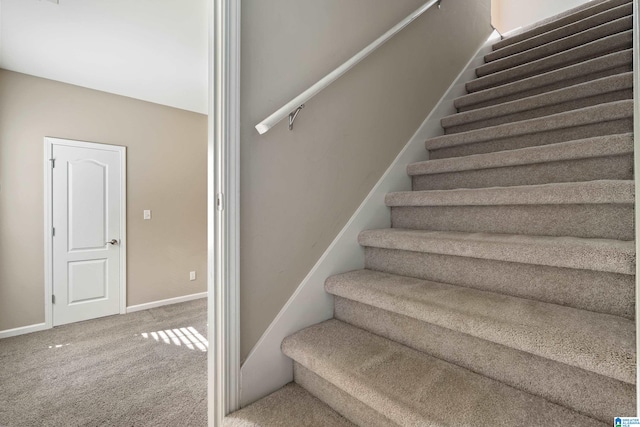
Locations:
(299, 188)
(166, 172)
(509, 15)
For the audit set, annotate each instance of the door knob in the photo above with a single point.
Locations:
(112, 242)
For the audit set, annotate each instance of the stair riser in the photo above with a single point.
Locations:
(601, 292)
(586, 52)
(559, 22)
(603, 66)
(341, 402)
(600, 397)
(606, 221)
(588, 36)
(543, 86)
(615, 167)
(544, 111)
(536, 139)
(559, 33)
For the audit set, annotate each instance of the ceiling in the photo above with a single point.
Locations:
(153, 50)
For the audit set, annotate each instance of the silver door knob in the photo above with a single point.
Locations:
(112, 242)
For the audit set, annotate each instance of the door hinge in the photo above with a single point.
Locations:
(53, 299)
(53, 231)
(53, 163)
(220, 201)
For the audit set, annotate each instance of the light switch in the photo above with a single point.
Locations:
(192, 275)
(147, 214)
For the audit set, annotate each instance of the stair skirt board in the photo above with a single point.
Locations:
(503, 290)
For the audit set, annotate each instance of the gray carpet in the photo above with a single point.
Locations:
(291, 402)
(110, 371)
(411, 388)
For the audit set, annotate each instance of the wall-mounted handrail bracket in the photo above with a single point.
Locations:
(439, 4)
(293, 115)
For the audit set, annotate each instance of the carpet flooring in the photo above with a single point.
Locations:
(147, 368)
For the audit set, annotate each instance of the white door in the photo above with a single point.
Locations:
(86, 198)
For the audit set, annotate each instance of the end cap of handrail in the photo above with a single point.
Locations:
(262, 128)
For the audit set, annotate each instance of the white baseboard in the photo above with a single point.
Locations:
(42, 326)
(23, 330)
(266, 368)
(176, 300)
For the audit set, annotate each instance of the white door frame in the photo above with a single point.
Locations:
(224, 210)
(49, 142)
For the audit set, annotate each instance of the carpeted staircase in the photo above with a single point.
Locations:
(503, 294)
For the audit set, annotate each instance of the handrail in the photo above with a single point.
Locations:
(297, 102)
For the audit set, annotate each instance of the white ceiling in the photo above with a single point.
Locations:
(154, 50)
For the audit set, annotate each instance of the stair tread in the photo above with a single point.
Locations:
(592, 394)
(590, 192)
(561, 32)
(583, 90)
(594, 114)
(559, 20)
(609, 145)
(412, 388)
(614, 256)
(596, 342)
(618, 41)
(557, 46)
(572, 71)
(291, 405)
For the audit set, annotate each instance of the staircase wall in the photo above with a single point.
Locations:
(267, 369)
(508, 15)
(299, 188)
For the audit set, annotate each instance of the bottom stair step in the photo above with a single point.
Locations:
(594, 395)
(599, 343)
(340, 401)
(412, 388)
(290, 406)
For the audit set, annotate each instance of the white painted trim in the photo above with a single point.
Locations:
(224, 209)
(131, 309)
(636, 151)
(23, 330)
(49, 142)
(266, 368)
(163, 302)
(48, 238)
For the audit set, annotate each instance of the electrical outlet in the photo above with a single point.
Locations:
(146, 214)
(192, 275)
